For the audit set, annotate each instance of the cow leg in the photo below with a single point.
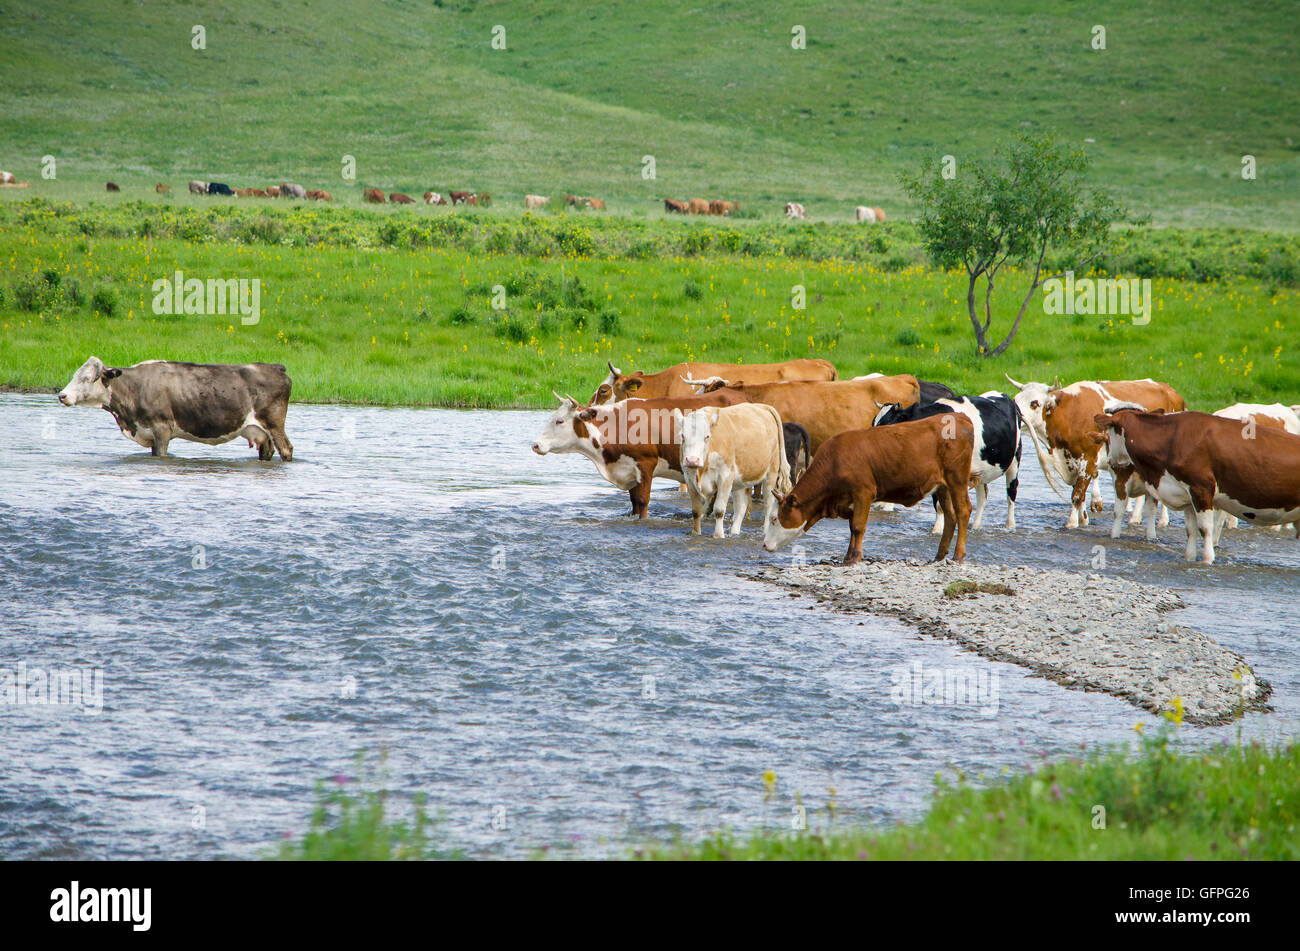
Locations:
(1139, 503)
(937, 528)
(740, 509)
(1097, 505)
(944, 495)
(640, 493)
(981, 499)
(272, 420)
(1189, 523)
(1205, 523)
(1078, 499)
(1220, 519)
(1013, 488)
(160, 440)
(857, 528)
(697, 504)
(1151, 506)
(1117, 525)
(720, 504)
(1164, 514)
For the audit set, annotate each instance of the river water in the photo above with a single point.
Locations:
(495, 633)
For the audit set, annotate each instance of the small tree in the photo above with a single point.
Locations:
(1015, 207)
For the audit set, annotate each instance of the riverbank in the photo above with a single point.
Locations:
(1085, 631)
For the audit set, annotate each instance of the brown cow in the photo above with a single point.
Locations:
(112, 186)
(571, 200)
(670, 382)
(1197, 462)
(397, 198)
(718, 207)
(463, 198)
(317, 194)
(826, 409)
(698, 206)
(902, 464)
(1060, 422)
(272, 191)
(375, 196)
(673, 206)
(484, 200)
(258, 193)
(630, 442)
(595, 204)
(161, 189)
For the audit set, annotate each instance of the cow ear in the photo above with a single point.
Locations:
(1159, 411)
(587, 414)
(110, 373)
(1099, 438)
(632, 383)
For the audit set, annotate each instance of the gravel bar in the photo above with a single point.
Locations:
(1084, 631)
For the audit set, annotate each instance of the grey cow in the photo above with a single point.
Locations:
(157, 401)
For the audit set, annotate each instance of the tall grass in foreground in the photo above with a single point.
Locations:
(1235, 802)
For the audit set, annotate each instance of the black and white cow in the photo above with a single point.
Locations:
(157, 401)
(997, 443)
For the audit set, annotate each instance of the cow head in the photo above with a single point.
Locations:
(89, 385)
(885, 413)
(786, 524)
(617, 386)
(1035, 402)
(694, 430)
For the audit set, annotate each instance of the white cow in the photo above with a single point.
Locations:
(864, 214)
(794, 210)
(536, 201)
(725, 451)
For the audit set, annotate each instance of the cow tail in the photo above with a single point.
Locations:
(783, 481)
(1043, 459)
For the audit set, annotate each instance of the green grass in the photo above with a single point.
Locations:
(113, 89)
(355, 320)
(1234, 802)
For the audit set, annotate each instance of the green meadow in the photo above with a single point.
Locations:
(500, 314)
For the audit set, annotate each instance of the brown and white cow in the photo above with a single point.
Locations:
(902, 464)
(374, 196)
(7, 178)
(619, 385)
(595, 204)
(673, 206)
(463, 198)
(434, 198)
(272, 191)
(826, 409)
(727, 450)
(795, 210)
(1060, 423)
(630, 442)
(157, 401)
(1197, 462)
(1275, 415)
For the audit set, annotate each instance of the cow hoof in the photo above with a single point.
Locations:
(1097, 506)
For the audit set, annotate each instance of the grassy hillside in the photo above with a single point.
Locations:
(714, 92)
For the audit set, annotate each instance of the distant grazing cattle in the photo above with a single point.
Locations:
(673, 206)
(880, 214)
(397, 198)
(157, 401)
(198, 188)
(1274, 415)
(290, 190)
(798, 449)
(1198, 463)
(794, 210)
(571, 200)
(484, 200)
(929, 391)
(463, 198)
(595, 204)
(535, 201)
(434, 198)
(220, 188)
(112, 186)
(726, 450)
(826, 408)
(1060, 421)
(698, 206)
(161, 189)
(257, 193)
(6, 178)
(718, 207)
(272, 191)
(375, 196)
(318, 194)
(619, 385)
(864, 214)
(630, 443)
(996, 453)
(243, 192)
(901, 464)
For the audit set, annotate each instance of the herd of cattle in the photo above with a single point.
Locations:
(813, 446)
(864, 214)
